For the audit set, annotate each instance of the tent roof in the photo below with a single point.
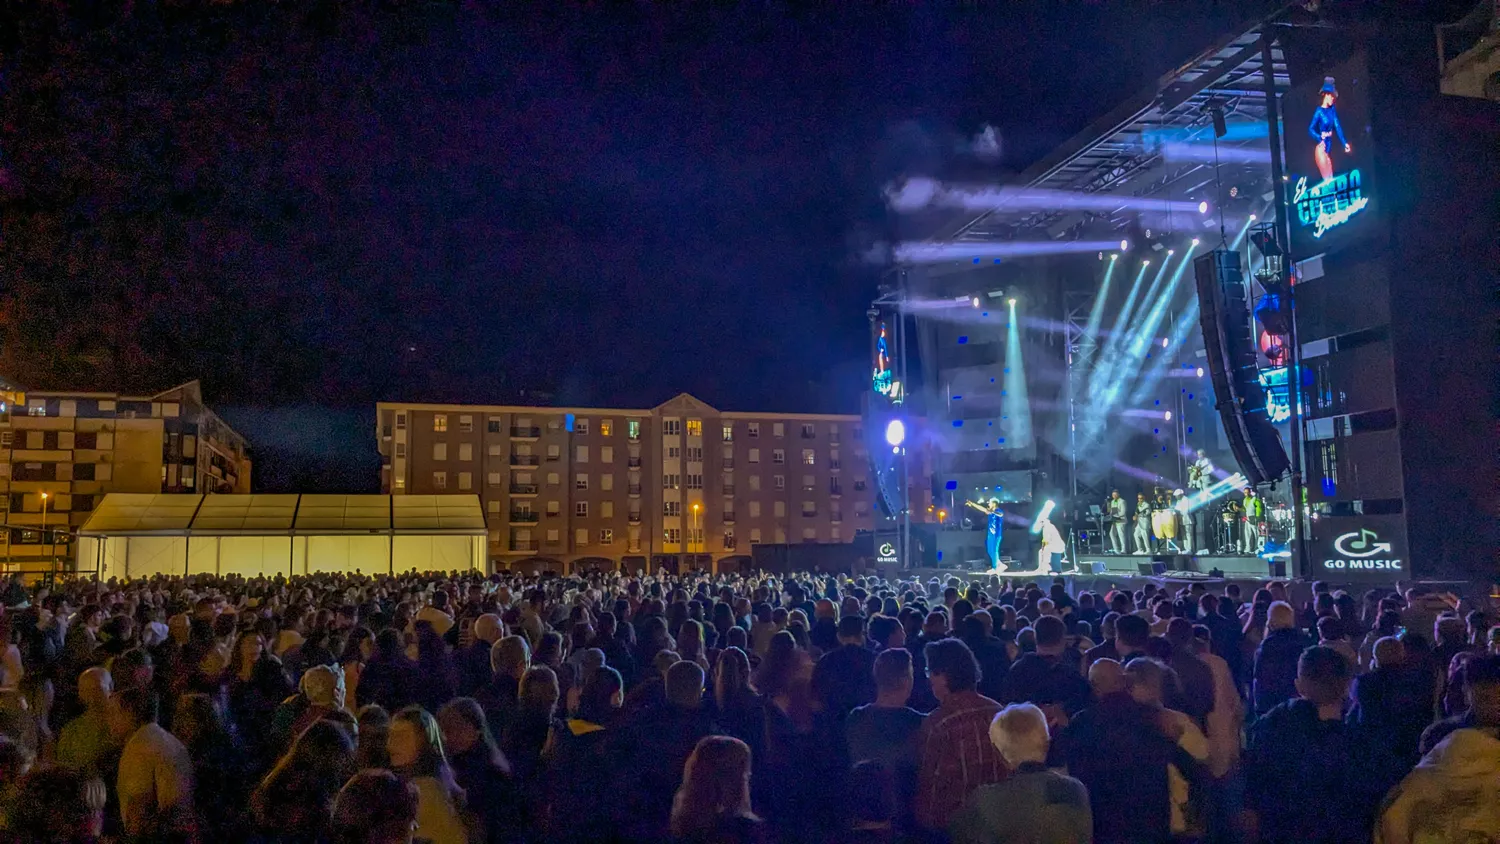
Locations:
(126, 514)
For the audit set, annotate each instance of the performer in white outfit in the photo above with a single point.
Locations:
(1201, 473)
(1050, 558)
(1114, 510)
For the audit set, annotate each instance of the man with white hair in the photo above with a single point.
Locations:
(1275, 674)
(1033, 804)
(85, 742)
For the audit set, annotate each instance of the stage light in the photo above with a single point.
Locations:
(1124, 246)
(1252, 218)
(1169, 416)
(1200, 372)
(895, 432)
(1114, 256)
(1171, 252)
(975, 302)
(1163, 342)
(1203, 207)
(1011, 302)
(1195, 241)
(1146, 263)
(1046, 511)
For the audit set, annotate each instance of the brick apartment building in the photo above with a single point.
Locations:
(678, 484)
(61, 452)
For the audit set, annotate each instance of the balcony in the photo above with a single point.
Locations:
(728, 518)
(633, 463)
(525, 433)
(524, 489)
(835, 491)
(835, 465)
(523, 517)
(523, 460)
(526, 546)
(553, 458)
(729, 463)
(728, 489)
(633, 490)
(634, 518)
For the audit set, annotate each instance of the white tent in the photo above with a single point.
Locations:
(134, 535)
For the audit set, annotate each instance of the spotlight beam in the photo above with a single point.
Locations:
(921, 252)
(916, 194)
(1014, 403)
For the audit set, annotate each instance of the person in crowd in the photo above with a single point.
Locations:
(154, 785)
(373, 725)
(1150, 684)
(389, 678)
(293, 802)
(56, 805)
(1308, 773)
(803, 744)
(956, 754)
(375, 807)
(712, 805)
(738, 709)
(86, 742)
(509, 658)
(1276, 659)
(1387, 703)
(1195, 694)
(415, 746)
(1131, 635)
(524, 738)
(1452, 795)
(481, 770)
(990, 652)
(219, 788)
(843, 677)
(475, 668)
(1481, 692)
(1044, 677)
(655, 744)
(583, 765)
(886, 731)
(1032, 804)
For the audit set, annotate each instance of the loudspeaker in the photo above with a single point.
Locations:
(1147, 569)
(1158, 569)
(1238, 395)
(1095, 567)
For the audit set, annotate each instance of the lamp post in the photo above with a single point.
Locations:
(44, 520)
(696, 508)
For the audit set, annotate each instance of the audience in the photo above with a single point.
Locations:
(740, 708)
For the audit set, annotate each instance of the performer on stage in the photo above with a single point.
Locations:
(1184, 518)
(1163, 523)
(1255, 514)
(1325, 124)
(994, 526)
(1142, 524)
(1114, 510)
(1232, 516)
(1201, 473)
(1050, 557)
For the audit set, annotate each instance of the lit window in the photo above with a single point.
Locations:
(728, 433)
(671, 508)
(606, 536)
(633, 428)
(670, 481)
(728, 539)
(606, 427)
(672, 536)
(753, 429)
(440, 480)
(695, 427)
(440, 422)
(607, 482)
(809, 457)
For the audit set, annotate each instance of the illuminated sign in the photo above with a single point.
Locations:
(883, 381)
(1330, 203)
(886, 553)
(1362, 550)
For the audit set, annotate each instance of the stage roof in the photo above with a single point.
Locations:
(128, 514)
(1120, 153)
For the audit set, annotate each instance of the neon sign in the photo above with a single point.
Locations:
(1330, 203)
(886, 553)
(1361, 550)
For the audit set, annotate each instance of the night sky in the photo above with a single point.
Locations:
(314, 206)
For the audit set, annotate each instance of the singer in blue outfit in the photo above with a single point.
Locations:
(1325, 124)
(993, 530)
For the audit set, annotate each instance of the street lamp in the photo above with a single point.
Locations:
(696, 508)
(44, 521)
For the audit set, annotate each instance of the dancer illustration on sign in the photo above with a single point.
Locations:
(1325, 124)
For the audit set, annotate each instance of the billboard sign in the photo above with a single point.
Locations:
(1328, 158)
(1360, 548)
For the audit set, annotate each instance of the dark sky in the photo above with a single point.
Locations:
(314, 206)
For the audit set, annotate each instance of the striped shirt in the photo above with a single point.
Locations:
(957, 757)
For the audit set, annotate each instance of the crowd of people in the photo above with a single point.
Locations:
(741, 708)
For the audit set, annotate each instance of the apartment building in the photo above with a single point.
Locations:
(61, 452)
(680, 484)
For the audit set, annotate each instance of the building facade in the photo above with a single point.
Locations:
(61, 452)
(680, 484)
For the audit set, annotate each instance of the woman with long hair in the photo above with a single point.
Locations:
(713, 803)
(439, 676)
(293, 803)
(415, 745)
(483, 772)
(690, 644)
(358, 648)
(256, 686)
(374, 726)
(738, 710)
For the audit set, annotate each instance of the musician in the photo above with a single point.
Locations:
(1189, 540)
(1255, 514)
(1114, 510)
(1053, 548)
(1232, 516)
(994, 528)
(1164, 524)
(1201, 473)
(1142, 524)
